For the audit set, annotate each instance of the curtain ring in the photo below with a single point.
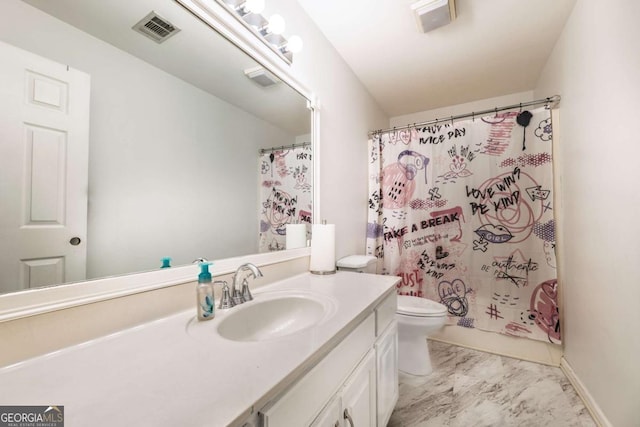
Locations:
(473, 116)
(451, 121)
(496, 116)
(521, 107)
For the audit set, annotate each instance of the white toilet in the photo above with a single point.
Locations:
(417, 319)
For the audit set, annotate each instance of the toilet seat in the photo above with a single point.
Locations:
(419, 307)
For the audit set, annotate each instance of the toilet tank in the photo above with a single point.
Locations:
(358, 263)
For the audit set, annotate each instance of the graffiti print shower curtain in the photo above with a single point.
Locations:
(463, 213)
(285, 194)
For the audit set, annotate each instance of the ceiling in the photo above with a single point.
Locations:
(493, 48)
(197, 54)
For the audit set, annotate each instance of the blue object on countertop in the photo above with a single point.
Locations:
(166, 262)
(204, 276)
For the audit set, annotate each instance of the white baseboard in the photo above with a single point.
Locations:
(503, 345)
(591, 405)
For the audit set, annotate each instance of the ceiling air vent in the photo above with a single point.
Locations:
(156, 27)
(261, 76)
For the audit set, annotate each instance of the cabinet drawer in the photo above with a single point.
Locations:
(299, 405)
(386, 313)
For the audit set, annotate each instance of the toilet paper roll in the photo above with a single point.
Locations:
(296, 236)
(323, 249)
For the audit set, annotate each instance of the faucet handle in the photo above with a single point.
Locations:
(226, 301)
(246, 293)
(237, 296)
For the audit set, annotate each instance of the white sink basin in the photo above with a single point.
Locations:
(269, 316)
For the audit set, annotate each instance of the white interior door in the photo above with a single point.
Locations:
(44, 145)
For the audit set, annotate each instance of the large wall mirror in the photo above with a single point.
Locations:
(172, 165)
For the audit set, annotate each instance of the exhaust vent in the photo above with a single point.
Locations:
(156, 27)
(261, 76)
(432, 14)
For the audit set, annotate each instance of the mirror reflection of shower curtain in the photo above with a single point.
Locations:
(285, 194)
(463, 212)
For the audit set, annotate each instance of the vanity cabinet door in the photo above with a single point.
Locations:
(330, 415)
(387, 370)
(359, 395)
(355, 402)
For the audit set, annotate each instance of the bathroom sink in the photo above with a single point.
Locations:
(269, 316)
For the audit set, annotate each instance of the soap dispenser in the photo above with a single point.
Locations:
(166, 262)
(205, 296)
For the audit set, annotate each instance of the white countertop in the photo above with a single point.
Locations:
(158, 374)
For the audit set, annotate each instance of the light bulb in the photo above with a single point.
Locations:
(295, 44)
(254, 6)
(276, 24)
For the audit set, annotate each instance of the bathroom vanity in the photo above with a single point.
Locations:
(308, 350)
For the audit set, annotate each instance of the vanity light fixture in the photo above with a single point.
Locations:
(295, 44)
(254, 6)
(276, 24)
(248, 12)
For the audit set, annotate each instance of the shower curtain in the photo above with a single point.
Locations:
(463, 213)
(285, 194)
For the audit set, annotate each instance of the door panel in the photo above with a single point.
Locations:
(41, 272)
(45, 171)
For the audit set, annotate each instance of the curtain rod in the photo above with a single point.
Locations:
(283, 147)
(551, 102)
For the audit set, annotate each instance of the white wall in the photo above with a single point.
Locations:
(347, 113)
(595, 66)
(156, 144)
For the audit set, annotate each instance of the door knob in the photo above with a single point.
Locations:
(75, 241)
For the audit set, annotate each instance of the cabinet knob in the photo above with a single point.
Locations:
(348, 417)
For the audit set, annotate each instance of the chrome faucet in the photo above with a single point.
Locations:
(243, 294)
(225, 299)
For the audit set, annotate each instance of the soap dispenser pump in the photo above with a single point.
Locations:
(205, 296)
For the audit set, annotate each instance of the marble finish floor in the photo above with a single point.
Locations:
(472, 388)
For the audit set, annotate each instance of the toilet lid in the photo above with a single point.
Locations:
(415, 306)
